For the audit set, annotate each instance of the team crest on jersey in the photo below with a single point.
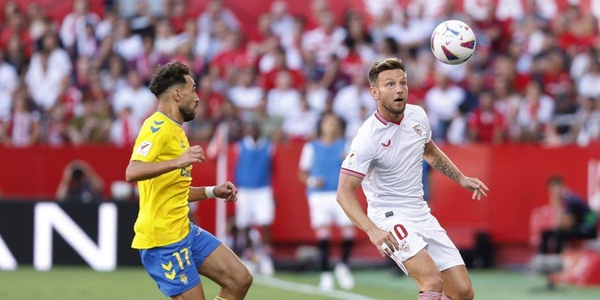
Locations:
(404, 246)
(183, 278)
(417, 129)
(144, 148)
(351, 159)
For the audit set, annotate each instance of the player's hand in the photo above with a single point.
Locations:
(384, 241)
(477, 186)
(227, 191)
(193, 154)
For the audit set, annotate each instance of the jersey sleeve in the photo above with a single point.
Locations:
(306, 157)
(359, 157)
(149, 144)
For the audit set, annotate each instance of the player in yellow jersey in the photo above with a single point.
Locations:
(173, 250)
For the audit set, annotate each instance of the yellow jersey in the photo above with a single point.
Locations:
(163, 216)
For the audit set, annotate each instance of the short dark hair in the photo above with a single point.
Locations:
(555, 180)
(167, 76)
(381, 65)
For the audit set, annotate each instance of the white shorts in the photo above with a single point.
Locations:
(324, 210)
(414, 236)
(254, 207)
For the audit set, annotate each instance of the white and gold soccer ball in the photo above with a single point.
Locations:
(453, 42)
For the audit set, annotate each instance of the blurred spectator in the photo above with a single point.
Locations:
(323, 41)
(179, 15)
(574, 219)
(485, 123)
(535, 112)
(17, 29)
(73, 25)
(108, 24)
(38, 22)
(134, 96)
(142, 22)
(44, 82)
(215, 11)
(80, 183)
(113, 78)
(318, 97)
(91, 126)
(212, 98)
(165, 42)
(127, 44)
(8, 85)
(278, 59)
(283, 100)
(87, 44)
(22, 129)
(281, 22)
(588, 121)
(299, 125)
(589, 83)
(442, 102)
(246, 95)
(354, 104)
(124, 129)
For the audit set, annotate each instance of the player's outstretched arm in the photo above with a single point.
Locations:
(347, 200)
(139, 170)
(227, 191)
(438, 160)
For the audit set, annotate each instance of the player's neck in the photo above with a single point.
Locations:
(172, 112)
(392, 118)
(328, 139)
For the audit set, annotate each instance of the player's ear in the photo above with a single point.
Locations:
(374, 92)
(176, 95)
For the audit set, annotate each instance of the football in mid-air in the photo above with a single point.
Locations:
(453, 42)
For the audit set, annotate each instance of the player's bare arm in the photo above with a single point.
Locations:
(346, 198)
(438, 160)
(138, 170)
(227, 191)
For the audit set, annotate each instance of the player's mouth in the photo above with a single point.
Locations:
(398, 99)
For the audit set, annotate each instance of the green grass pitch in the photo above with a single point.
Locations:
(70, 283)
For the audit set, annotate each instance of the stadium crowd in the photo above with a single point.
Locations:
(83, 79)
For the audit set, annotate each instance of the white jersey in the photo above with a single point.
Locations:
(388, 157)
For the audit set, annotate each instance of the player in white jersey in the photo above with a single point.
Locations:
(386, 157)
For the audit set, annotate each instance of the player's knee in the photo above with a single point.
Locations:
(243, 282)
(464, 293)
(433, 283)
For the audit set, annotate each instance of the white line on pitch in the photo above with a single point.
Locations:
(306, 288)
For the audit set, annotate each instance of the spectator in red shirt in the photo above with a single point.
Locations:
(280, 63)
(485, 123)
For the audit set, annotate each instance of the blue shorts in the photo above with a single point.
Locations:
(174, 267)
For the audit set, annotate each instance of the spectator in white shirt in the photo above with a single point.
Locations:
(442, 102)
(589, 84)
(8, 84)
(215, 10)
(354, 104)
(24, 123)
(73, 24)
(325, 40)
(246, 95)
(535, 112)
(135, 96)
(166, 42)
(127, 45)
(281, 22)
(283, 100)
(44, 82)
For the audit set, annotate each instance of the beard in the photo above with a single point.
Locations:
(393, 110)
(188, 114)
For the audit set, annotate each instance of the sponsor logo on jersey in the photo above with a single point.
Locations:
(389, 142)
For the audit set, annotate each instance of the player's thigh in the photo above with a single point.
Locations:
(196, 293)
(457, 283)
(423, 270)
(409, 239)
(224, 267)
(264, 210)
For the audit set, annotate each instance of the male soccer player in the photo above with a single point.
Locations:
(385, 156)
(320, 164)
(173, 250)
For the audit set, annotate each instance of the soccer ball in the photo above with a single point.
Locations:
(453, 42)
